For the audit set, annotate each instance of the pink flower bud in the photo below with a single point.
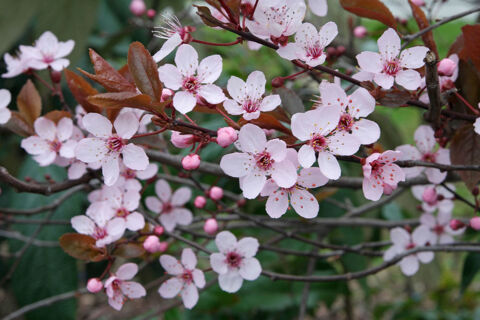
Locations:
(418, 3)
(226, 136)
(388, 189)
(152, 244)
(430, 196)
(94, 285)
(360, 32)
(158, 230)
(138, 7)
(166, 94)
(182, 140)
(215, 193)
(475, 223)
(163, 246)
(191, 162)
(446, 67)
(211, 226)
(456, 224)
(151, 13)
(200, 202)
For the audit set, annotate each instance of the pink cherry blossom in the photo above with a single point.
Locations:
(276, 20)
(123, 205)
(171, 29)
(354, 108)
(426, 150)
(310, 44)
(381, 174)
(129, 178)
(186, 278)
(318, 7)
(235, 261)
(258, 160)
(170, 207)
(100, 223)
(434, 197)
(5, 98)
(50, 141)
(404, 241)
(439, 226)
(195, 80)
(247, 96)
(119, 289)
(49, 52)
(107, 147)
(317, 129)
(392, 65)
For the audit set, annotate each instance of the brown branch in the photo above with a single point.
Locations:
(433, 90)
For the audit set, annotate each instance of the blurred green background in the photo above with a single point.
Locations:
(438, 291)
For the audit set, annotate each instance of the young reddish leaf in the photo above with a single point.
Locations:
(118, 100)
(129, 250)
(81, 247)
(423, 23)
(107, 76)
(465, 150)
(372, 9)
(81, 90)
(126, 74)
(471, 49)
(56, 115)
(144, 71)
(19, 125)
(267, 121)
(29, 103)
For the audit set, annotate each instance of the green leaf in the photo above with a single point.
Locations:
(471, 265)
(45, 271)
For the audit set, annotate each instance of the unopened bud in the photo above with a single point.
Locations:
(152, 244)
(55, 76)
(446, 67)
(226, 136)
(430, 196)
(200, 202)
(151, 13)
(137, 7)
(456, 224)
(418, 3)
(191, 162)
(360, 32)
(278, 82)
(475, 191)
(341, 50)
(94, 285)
(241, 202)
(211, 226)
(182, 140)
(475, 223)
(163, 246)
(159, 230)
(215, 193)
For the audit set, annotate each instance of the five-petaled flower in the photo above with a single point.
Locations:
(170, 207)
(186, 278)
(107, 147)
(381, 174)
(119, 289)
(439, 226)
(235, 261)
(100, 223)
(318, 129)
(258, 160)
(310, 44)
(51, 140)
(404, 241)
(435, 197)
(390, 65)
(247, 96)
(123, 204)
(195, 80)
(427, 151)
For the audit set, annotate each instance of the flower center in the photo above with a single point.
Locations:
(115, 144)
(129, 174)
(233, 259)
(251, 106)
(345, 123)
(191, 84)
(391, 67)
(409, 246)
(318, 143)
(167, 207)
(429, 157)
(48, 58)
(264, 161)
(55, 145)
(99, 233)
(187, 276)
(314, 51)
(122, 212)
(438, 229)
